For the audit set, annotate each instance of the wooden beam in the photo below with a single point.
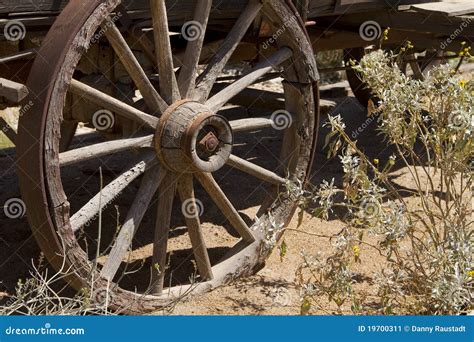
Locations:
(449, 9)
(12, 91)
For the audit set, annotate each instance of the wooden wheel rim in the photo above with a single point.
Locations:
(39, 154)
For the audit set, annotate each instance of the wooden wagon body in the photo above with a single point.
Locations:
(332, 24)
(314, 8)
(427, 24)
(424, 21)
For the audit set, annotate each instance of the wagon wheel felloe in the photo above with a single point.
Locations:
(182, 142)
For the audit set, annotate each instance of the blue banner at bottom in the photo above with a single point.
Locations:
(238, 329)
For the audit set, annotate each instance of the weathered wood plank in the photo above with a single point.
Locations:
(147, 190)
(450, 9)
(108, 194)
(12, 91)
(414, 22)
(364, 5)
(178, 11)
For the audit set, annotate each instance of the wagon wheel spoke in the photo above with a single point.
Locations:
(190, 211)
(103, 149)
(208, 78)
(164, 55)
(166, 194)
(255, 170)
(150, 183)
(220, 99)
(221, 200)
(108, 102)
(90, 211)
(245, 125)
(153, 100)
(187, 74)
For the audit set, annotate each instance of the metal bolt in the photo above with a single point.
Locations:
(210, 142)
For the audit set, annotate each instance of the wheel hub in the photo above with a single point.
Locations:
(191, 138)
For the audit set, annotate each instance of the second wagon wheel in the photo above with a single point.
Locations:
(129, 239)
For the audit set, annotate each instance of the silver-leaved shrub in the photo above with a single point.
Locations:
(423, 234)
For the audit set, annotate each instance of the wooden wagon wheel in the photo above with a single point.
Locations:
(419, 69)
(183, 142)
